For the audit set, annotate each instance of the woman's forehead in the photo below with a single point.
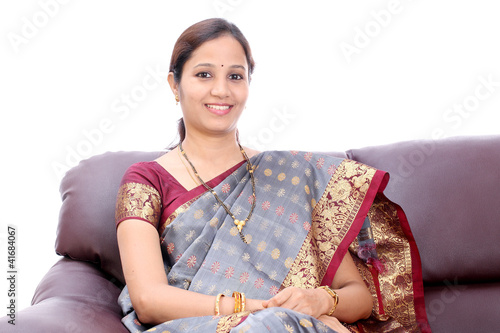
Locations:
(224, 51)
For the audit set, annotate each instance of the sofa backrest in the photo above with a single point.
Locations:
(450, 192)
(448, 189)
(86, 229)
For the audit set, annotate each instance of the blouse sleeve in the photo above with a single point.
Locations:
(137, 197)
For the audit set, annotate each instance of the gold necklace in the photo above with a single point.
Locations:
(187, 169)
(239, 223)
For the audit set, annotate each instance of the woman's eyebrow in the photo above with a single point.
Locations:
(238, 66)
(206, 64)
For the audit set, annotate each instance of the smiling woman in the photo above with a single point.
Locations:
(192, 38)
(214, 79)
(215, 236)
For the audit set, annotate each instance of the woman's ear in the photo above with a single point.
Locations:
(173, 85)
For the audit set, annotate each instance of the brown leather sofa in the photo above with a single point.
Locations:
(449, 189)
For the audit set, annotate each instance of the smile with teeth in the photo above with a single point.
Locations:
(218, 107)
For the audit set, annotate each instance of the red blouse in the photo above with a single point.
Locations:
(150, 193)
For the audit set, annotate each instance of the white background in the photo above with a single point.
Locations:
(64, 70)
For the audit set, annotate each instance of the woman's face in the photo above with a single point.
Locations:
(214, 87)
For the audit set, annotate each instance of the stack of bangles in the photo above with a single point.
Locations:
(239, 302)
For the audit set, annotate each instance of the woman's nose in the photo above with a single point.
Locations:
(220, 88)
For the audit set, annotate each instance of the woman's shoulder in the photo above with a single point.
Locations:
(144, 168)
(144, 172)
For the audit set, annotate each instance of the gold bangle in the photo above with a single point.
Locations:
(237, 301)
(243, 302)
(335, 297)
(217, 307)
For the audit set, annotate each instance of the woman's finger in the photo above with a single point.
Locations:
(278, 299)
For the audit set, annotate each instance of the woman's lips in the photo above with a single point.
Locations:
(219, 109)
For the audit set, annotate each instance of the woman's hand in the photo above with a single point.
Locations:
(313, 302)
(355, 300)
(333, 323)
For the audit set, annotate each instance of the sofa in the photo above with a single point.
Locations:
(449, 189)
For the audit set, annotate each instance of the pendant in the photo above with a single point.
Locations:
(239, 224)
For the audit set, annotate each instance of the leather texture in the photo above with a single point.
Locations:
(86, 229)
(449, 190)
(74, 296)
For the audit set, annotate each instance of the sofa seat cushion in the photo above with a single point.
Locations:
(87, 297)
(73, 296)
(463, 308)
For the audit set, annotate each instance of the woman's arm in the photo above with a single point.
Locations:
(355, 301)
(152, 298)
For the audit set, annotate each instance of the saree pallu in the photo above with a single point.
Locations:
(311, 210)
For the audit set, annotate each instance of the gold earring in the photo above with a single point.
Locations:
(176, 99)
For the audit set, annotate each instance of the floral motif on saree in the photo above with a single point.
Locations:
(310, 209)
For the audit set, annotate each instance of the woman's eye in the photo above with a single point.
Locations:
(236, 77)
(204, 75)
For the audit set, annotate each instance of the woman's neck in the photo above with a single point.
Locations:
(212, 152)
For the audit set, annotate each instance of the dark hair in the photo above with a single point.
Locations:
(202, 32)
(192, 38)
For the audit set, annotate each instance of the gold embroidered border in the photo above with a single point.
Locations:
(136, 200)
(226, 323)
(332, 218)
(181, 209)
(396, 281)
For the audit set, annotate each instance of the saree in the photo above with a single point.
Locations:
(311, 210)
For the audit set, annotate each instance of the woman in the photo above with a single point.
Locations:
(217, 237)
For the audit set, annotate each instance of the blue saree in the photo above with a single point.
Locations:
(311, 210)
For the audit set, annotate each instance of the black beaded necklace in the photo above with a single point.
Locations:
(239, 223)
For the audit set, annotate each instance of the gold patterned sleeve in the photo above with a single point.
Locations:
(138, 201)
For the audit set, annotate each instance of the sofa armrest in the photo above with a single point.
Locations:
(74, 296)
